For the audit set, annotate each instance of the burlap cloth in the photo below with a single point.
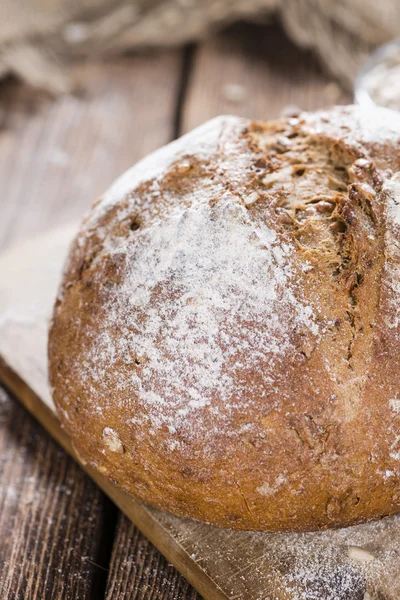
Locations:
(41, 40)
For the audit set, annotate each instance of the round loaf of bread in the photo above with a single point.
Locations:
(226, 341)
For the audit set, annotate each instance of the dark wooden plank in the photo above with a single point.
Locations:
(254, 71)
(52, 516)
(140, 572)
(56, 156)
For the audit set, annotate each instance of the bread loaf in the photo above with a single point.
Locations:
(226, 340)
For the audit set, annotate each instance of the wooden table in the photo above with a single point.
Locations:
(60, 537)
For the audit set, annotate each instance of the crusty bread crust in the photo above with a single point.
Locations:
(226, 341)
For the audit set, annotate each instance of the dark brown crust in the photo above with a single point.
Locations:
(312, 437)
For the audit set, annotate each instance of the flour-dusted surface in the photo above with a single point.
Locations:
(222, 306)
(355, 563)
(228, 321)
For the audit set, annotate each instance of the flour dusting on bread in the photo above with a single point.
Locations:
(228, 326)
(200, 290)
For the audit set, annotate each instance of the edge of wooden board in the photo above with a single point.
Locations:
(138, 513)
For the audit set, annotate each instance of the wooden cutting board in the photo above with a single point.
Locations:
(357, 563)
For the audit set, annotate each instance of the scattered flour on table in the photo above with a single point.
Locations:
(341, 564)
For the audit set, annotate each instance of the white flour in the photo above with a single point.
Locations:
(383, 81)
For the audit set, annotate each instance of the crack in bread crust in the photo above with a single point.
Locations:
(325, 196)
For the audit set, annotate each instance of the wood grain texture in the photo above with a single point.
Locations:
(139, 571)
(51, 515)
(270, 71)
